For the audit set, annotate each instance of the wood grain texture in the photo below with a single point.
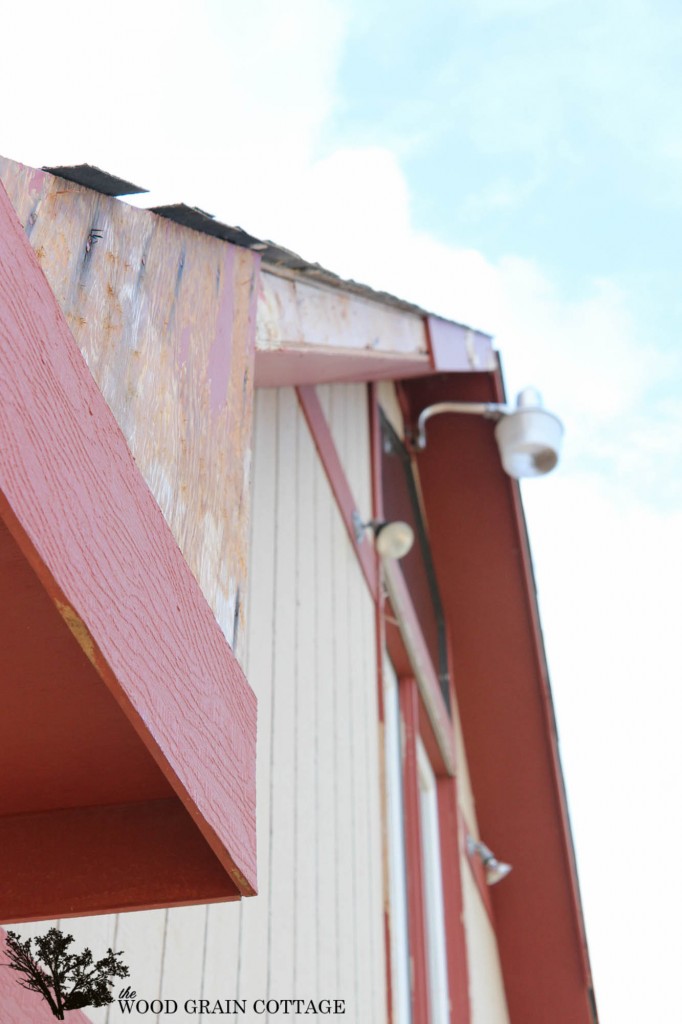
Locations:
(78, 508)
(165, 319)
(316, 315)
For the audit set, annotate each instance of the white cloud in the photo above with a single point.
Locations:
(218, 106)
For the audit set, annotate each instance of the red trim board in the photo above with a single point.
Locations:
(326, 449)
(484, 576)
(451, 837)
(409, 708)
(86, 522)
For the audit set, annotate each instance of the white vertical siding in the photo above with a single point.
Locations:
(316, 928)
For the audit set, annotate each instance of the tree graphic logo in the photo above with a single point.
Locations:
(65, 980)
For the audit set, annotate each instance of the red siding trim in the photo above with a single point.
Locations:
(82, 515)
(409, 707)
(380, 633)
(451, 839)
(326, 449)
(505, 707)
(409, 636)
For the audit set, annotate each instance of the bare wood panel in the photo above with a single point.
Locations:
(318, 315)
(86, 522)
(165, 318)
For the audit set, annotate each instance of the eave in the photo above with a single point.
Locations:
(478, 538)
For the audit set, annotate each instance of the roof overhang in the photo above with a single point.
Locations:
(478, 538)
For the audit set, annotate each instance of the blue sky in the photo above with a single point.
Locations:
(514, 164)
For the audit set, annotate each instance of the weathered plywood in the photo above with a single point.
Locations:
(165, 318)
(299, 312)
(85, 520)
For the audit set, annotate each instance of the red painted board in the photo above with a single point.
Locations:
(326, 449)
(101, 860)
(480, 548)
(409, 709)
(75, 503)
(451, 838)
(19, 1006)
(412, 639)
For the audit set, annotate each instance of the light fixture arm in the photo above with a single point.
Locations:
(528, 436)
(489, 410)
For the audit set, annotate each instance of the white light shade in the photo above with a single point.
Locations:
(529, 440)
(393, 540)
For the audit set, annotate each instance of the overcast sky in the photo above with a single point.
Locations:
(513, 164)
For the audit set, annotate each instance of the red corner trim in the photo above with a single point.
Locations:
(326, 449)
(450, 843)
(80, 511)
(409, 707)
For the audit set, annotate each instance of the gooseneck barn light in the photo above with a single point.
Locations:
(528, 436)
(495, 870)
(391, 540)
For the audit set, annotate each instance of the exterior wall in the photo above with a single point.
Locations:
(316, 928)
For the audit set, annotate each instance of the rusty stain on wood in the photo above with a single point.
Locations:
(165, 319)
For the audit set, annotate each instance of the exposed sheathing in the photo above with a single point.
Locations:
(316, 928)
(165, 319)
(486, 987)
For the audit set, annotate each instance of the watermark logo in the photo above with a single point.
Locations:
(66, 980)
(129, 1003)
